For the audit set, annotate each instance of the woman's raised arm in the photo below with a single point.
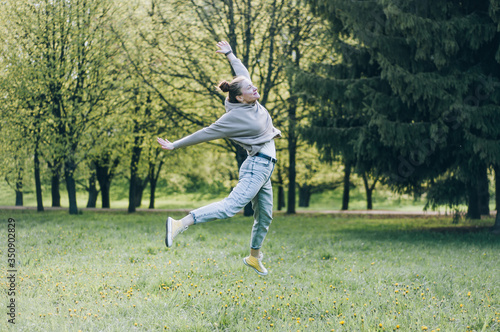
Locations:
(239, 68)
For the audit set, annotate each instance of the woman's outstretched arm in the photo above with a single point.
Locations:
(236, 63)
(223, 127)
(165, 143)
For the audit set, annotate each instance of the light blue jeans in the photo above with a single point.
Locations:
(254, 185)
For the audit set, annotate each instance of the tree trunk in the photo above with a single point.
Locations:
(139, 190)
(483, 191)
(347, 176)
(295, 55)
(38, 184)
(105, 173)
(152, 189)
(281, 190)
(304, 195)
(497, 188)
(292, 151)
(105, 191)
(496, 227)
(19, 188)
(69, 170)
(292, 129)
(153, 175)
(152, 185)
(134, 162)
(281, 197)
(93, 192)
(102, 175)
(55, 181)
(473, 211)
(369, 201)
(369, 192)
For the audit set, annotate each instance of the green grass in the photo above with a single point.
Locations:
(111, 272)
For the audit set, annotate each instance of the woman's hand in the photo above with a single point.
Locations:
(224, 47)
(165, 144)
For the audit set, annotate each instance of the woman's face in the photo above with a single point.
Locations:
(249, 93)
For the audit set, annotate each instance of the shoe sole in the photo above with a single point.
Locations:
(257, 271)
(168, 237)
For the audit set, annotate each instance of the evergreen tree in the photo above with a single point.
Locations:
(430, 103)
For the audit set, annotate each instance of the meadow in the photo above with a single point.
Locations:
(110, 271)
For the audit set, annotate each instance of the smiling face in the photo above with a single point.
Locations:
(249, 93)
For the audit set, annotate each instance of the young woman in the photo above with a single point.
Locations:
(249, 124)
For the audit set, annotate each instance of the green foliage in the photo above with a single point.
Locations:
(449, 191)
(58, 65)
(314, 174)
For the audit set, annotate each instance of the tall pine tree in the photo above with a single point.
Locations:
(429, 104)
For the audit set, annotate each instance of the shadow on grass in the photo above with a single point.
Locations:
(435, 236)
(428, 231)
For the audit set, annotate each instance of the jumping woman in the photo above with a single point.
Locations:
(249, 124)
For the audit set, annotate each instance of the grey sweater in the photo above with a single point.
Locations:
(249, 125)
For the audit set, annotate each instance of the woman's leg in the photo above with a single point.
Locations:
(252, 177)
(187, 220)
(262, 205)
(254, 173)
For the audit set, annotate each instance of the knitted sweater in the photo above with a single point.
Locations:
(249, 125)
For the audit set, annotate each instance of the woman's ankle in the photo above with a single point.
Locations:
(188, 220)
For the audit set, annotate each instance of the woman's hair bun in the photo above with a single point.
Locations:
(224, 86)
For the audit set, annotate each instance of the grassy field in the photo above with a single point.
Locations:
(111, 272)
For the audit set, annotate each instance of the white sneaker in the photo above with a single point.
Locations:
(174, 227)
